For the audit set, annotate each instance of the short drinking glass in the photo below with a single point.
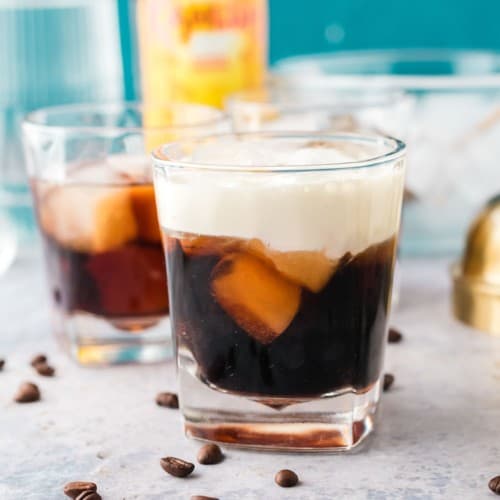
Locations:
(91, 180)
(280, 250)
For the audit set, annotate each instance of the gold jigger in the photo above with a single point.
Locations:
(476, 279)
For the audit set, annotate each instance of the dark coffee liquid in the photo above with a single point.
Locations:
(335, 340)
(129, 281)
(90, 268)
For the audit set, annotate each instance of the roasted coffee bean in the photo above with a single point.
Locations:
(45, 370)
(388, 381)
(210, 454)
(39, 358)
(27, 393)
(494, 485)
(76, 488)
(395, 336)
(2, 364)
(89, 495)
(286, 478)
(201, 497)
(176, 466)
(167, 399)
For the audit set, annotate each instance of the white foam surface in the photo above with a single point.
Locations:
(335, 211)
(281, 153)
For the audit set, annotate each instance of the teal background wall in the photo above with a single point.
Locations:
(300, 26)
(128, 41)
(305, 26)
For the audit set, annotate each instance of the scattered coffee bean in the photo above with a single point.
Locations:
(89, 495)
(201, 497)
(167, 399)
(388, 381)
(2, 364)
(76, 488)
(395, 336)
(176, 466)
(286, 478)
(210, 454)
(45, 370)
(39, 358)
(494, 485)
(27, 393)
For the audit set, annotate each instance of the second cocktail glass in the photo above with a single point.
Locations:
(280, 252)
(91, 180)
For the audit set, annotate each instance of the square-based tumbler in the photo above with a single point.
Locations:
(91, 180)
(280, 251)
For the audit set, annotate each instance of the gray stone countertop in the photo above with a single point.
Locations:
(437, 438)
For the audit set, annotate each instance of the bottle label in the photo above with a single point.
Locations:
(201, 50)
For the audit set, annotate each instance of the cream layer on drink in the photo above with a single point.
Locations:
(330, 211)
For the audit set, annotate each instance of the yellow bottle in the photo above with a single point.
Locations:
(200, 50)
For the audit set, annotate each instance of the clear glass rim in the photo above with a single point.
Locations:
(288, 68)
(162, 156)
(36, 120)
